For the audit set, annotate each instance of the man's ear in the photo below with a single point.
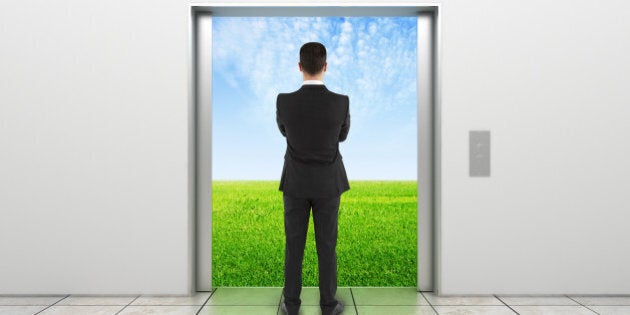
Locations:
(325, 65)
(300, 66)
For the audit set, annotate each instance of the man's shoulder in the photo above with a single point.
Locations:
(287, 94)
(338, 95)
(282, 97)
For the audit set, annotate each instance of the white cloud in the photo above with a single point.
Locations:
(370, 59)
(373, 60)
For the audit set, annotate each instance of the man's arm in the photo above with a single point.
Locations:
(278, 120)
(345, 127)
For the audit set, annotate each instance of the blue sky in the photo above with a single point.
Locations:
(372, 60)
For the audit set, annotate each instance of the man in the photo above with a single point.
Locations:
(314, 120)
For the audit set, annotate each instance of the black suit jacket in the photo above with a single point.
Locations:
(314, 120)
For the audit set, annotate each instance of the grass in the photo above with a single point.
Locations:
(376, 244)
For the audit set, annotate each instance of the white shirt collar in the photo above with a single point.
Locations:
(312, 82)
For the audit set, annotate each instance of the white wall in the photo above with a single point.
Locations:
(550, 80)
(94, 147)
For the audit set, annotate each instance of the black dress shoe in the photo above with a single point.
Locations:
(283, 307)
(338, 309)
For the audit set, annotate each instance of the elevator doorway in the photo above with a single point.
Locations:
(201, 27)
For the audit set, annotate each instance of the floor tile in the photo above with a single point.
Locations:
(316, 310)
(391, 310)
(239, 310)
(96, 300)
(601, 300)
(537, 300)
(20, 309)
(552, 310)
(473, 310)
(82, 310)
(388, 296)
(461, 300)
(611, 309)
(246, 296)
(198, 299)
(160, 309)
(310, 296)
(29, 300)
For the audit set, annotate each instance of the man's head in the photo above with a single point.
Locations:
(313, 59)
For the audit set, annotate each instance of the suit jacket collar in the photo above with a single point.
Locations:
(311, 87)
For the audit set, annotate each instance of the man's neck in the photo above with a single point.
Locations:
(313, 79)
(308, 77)
(312, 82)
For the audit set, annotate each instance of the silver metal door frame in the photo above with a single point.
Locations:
(200, 132)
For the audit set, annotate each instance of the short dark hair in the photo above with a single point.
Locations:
(312, 57)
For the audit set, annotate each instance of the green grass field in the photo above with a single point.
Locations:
(376, 245)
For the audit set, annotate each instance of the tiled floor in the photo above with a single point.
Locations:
(360, 300)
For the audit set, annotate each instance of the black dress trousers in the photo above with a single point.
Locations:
(325, 218)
